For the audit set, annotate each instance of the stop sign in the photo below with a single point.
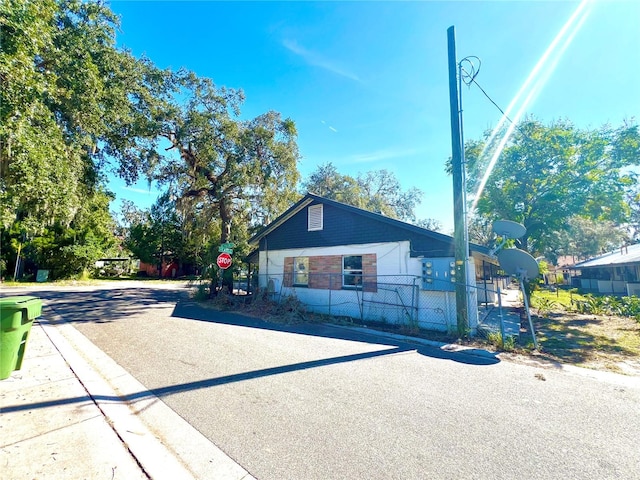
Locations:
(224, 261)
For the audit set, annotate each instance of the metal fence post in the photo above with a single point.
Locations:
(360, 301)
(501, 318)
(414, 300)
(330, 289)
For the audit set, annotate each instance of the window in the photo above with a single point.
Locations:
(301, 271)
(352, 271)
(314, 217)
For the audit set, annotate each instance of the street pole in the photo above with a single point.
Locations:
(17, 269)
(461, 248)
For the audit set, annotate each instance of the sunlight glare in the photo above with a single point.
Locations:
(564, 38)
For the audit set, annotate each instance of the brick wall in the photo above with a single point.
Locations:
(325, 272)
(370, 272)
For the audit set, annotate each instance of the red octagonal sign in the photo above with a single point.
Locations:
(224, 261)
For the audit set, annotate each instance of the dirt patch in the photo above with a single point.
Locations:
(591, 341)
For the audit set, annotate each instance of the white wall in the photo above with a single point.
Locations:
(611, 286)
(633, 289)
(391, 304)
(392, 258)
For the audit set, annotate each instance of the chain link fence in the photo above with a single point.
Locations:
(399, 300)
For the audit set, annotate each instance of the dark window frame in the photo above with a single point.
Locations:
(352, 271)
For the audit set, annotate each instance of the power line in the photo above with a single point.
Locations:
(469, 77)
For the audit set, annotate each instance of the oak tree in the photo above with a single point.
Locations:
(547, 175)
(377, 191)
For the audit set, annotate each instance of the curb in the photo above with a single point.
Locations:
(163, 443)
(446, 347)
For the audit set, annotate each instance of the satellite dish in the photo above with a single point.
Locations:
(519, 263)
(509, 229)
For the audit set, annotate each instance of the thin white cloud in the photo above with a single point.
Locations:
(333, 129)
(371, 157)
(317, 60)
(141, 190)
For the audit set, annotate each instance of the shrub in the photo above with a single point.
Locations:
(610, 305)
(201, 293)
(590, 305)
(495, 339)
(544, 305)
(631, 307)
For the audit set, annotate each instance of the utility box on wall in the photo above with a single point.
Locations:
(439, 274)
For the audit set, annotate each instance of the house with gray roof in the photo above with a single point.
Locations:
(345, 261)
(616, 272)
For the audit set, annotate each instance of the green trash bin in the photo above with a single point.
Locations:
(16, 317)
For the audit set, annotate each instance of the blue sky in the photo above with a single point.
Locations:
(367, 82)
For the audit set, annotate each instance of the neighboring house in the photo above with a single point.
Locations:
(170, 269)
(561, 272)
(614, 272)
(344, 261)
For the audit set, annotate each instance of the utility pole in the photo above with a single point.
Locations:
(460, 234)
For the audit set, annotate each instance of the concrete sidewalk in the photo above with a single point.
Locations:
(507, 313)
(72, 413)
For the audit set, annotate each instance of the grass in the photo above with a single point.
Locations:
(92, 281)
(507, 345)
(58, 283)
(602, 342)
(566, 298)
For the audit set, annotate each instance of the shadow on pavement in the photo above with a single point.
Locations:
(107, 305)
(216, 381)
(142, 299)
(193, 311)
(211, 382)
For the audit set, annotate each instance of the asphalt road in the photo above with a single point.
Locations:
(317, 402)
